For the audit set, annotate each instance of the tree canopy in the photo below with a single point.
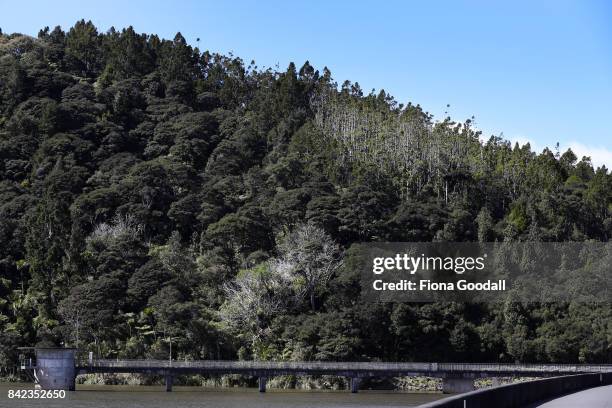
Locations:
(149, 189)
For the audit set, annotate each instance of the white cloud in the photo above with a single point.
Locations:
(599, 155)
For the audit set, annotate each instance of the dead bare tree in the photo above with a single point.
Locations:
(308, 257)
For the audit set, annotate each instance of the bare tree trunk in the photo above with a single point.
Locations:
(312, 300)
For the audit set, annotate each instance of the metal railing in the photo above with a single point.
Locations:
(220, 365)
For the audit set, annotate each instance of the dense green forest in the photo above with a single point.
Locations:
(154, 193)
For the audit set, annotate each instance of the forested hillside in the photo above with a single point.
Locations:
(151, 192)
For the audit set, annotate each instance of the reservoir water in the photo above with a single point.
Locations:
(120, 396)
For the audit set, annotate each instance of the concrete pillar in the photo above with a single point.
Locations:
(262, 384)
(169, 382)
(457, 385)
(55, 368)
(355, 382)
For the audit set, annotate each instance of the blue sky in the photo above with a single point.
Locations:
(538, 71)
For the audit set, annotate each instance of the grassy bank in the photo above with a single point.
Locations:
(406, 384)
